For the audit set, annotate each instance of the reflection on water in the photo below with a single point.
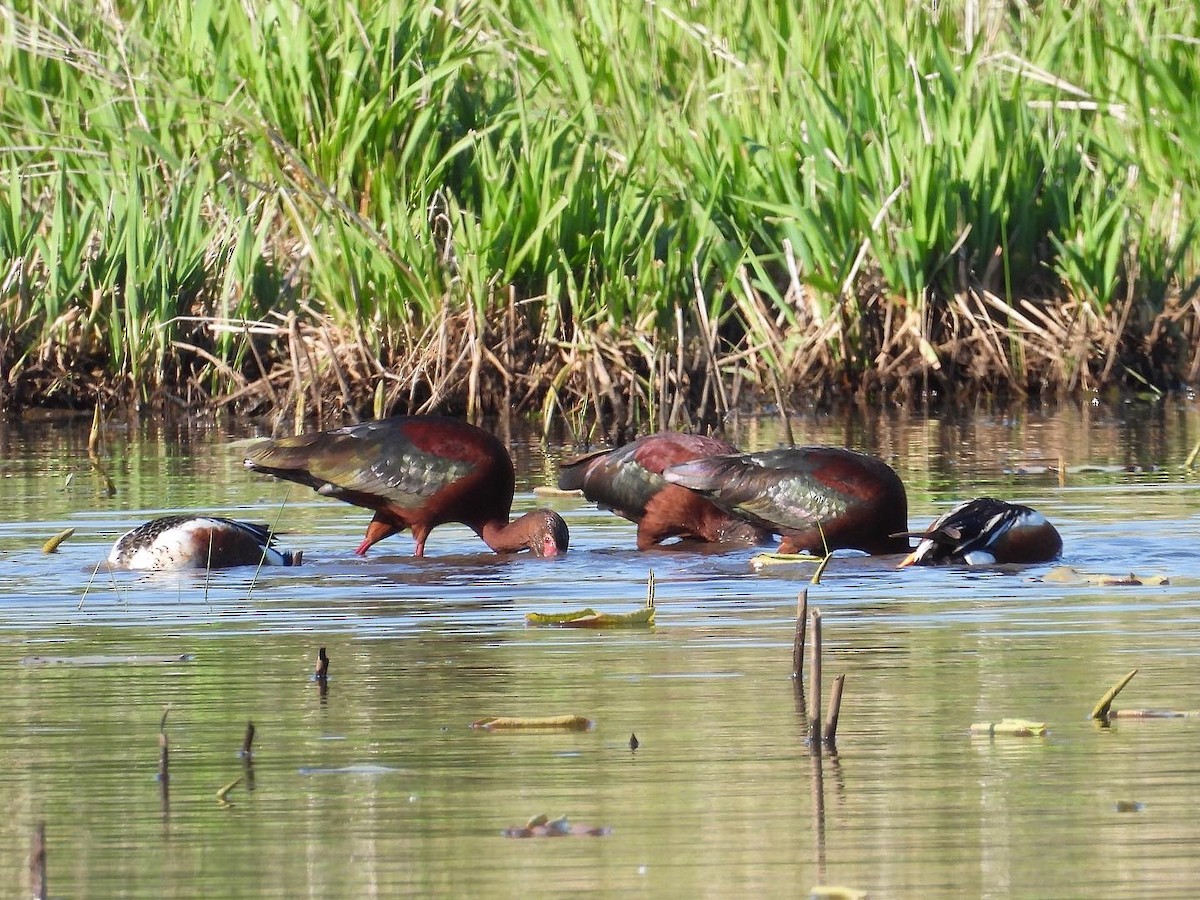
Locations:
(376, 784)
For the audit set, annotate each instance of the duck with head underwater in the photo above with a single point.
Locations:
(629, 481)
(985, 531)
(198, 542)
(817, 498)
(416, 472)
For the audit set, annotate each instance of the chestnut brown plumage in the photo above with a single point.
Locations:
(815, 497)
(628, 480)
(416, 472)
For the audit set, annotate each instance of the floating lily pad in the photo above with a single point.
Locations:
(589, 618)
(534, 723)
(1010, 728)
(542, 826)
(1070, 575)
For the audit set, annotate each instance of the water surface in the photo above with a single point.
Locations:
(377, 786)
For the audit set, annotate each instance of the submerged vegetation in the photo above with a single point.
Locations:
(632, 211)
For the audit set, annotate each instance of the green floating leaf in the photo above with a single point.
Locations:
(589, 618)
(1010, 728)
(534, 723)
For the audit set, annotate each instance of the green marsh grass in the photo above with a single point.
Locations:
(638, 213)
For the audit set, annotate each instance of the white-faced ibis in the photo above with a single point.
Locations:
(817, 498)
(629, 481)
(416, 472)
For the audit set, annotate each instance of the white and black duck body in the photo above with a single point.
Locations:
(198, 542)
(986, 531)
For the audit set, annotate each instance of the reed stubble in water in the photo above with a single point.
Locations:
(321, 674)
(798, 641)
(37, 863)
(248, 742)
(835, 709)
(829, 738)
(164, 760)
(814, 681)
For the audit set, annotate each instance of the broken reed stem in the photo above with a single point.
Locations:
(208, 566)
(298, 417)
(110, 487)
(263, 558)
(164, 753)
(816, 576)
(88, 586)
(835, 707)
(1191, 457)
(94, 439)
(814, 681)
(343, 384)
(264, 379)
(798, 643)
(380, 404)
(820, 570)
(37, 863)
(248, 741)
(223, 791)
(1101, 709)
(164, 761)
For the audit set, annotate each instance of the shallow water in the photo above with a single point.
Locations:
(377, 786)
